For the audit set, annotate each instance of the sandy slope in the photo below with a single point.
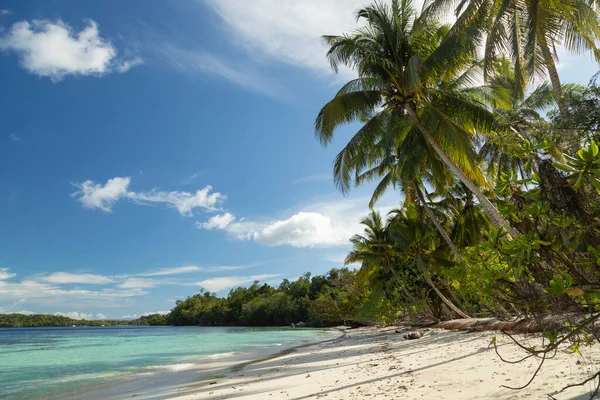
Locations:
(378, 363)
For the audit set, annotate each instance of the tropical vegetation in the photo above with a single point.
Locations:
(496, 173)
(16, 320)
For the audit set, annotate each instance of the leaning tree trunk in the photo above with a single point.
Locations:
(447, 302)
(439, 227)
(574, 144)
(497, 220)
(553, 73)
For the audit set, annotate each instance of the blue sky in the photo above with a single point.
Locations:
(150, 149)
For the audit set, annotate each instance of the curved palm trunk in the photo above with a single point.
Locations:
(440, 228)
(553, 73)
(497, 220)
(408, 295)
(444, 298)
(557, 89)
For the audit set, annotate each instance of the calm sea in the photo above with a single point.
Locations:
(38, 363)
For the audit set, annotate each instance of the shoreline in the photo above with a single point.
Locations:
(174, 381)
(379, 363)
(373, 362)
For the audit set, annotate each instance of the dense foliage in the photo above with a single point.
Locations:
(324, 300)
(39, 320)
(500, 178)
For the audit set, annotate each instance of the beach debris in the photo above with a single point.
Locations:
(308, 375)
(212, 383)
(413, 335)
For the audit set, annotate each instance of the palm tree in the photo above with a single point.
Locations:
(465, 216)
(405, 168)
(529, 31)
(401, 60)
(376, 249)
(416, 246)
(518, 119)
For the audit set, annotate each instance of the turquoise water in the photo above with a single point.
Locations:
(43, 362)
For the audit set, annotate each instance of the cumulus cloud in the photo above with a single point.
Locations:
(305, 229)
(4, 274)
(319, 225)
(54, 50)
(78, 315)
(103, 197)
(67, 278)
(217, 222)
(221, 283)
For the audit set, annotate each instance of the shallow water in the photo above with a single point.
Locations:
(45, 362)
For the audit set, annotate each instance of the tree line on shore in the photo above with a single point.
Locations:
(16, 320)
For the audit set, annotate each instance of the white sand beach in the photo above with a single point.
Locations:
(379, 363)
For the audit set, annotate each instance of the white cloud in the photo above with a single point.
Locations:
(139, 283)
(217, 222)
(55, 50)
(172, 271)
(5, 12)
(325, 224)
(305, 229)
(68, 278)
(101, 316)
(24, 312)
(221, 283)
(75, 315)
(288, 30)
(15, 138)
(97, 196)
(184, 202)
(94, 195)
(28, 291)
(4, 274)
(192, 268)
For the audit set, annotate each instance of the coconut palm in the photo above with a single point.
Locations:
(464, 215)
(405, 169)
(518, 119)
(416, 246)
(376, 249)
(529, 31)
(401, 59)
